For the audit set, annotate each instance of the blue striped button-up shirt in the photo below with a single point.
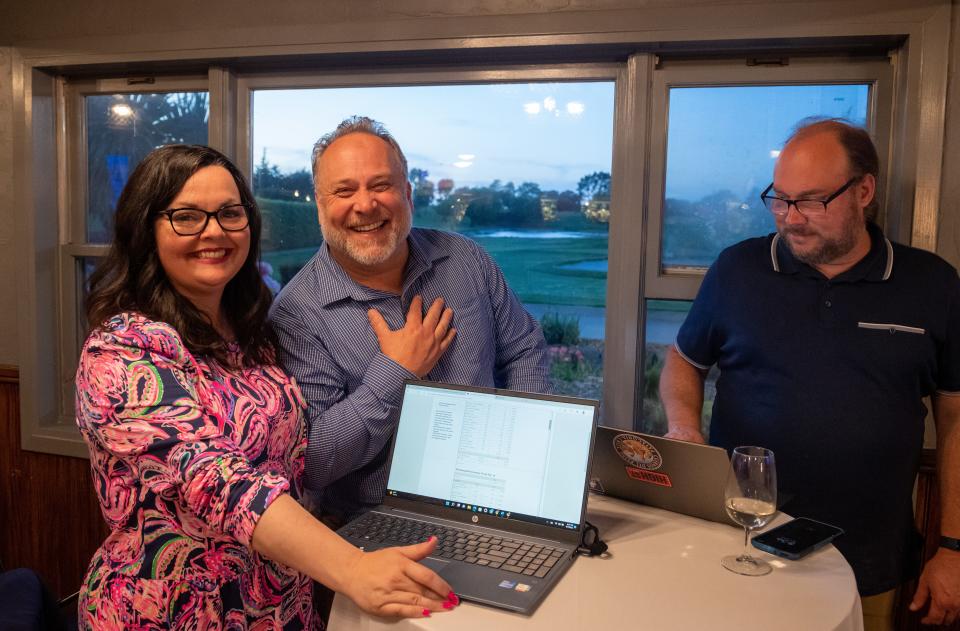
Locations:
(353, 391)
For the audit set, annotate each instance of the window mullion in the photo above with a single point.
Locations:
(624, 325)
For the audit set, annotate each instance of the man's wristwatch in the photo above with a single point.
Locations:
(950, 543)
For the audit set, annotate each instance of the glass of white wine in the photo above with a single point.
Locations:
(751, 501)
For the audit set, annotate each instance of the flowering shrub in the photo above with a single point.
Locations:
(567, 363)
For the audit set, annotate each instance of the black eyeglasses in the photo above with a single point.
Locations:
(190, 221)
(780, 206)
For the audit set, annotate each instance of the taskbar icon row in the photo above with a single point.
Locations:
(477, 509)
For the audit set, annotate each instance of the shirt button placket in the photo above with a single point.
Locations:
(826, 304)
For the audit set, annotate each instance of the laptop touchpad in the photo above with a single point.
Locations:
(437, 565)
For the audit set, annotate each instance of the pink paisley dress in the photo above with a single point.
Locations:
(186, 455)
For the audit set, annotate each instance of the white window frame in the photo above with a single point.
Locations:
(56, 430)
(682, 283)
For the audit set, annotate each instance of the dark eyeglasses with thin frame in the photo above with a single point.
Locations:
(192, 221)
(780, 206)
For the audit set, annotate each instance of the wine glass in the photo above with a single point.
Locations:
(750, 498)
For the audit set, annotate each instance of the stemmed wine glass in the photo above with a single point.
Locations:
(751, 501)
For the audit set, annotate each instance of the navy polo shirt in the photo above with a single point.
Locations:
(830, 374)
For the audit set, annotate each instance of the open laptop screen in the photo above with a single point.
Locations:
(507, 454)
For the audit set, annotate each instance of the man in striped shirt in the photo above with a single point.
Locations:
(382, 302)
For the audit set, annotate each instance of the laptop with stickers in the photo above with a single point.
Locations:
(500, 477)
(674, 475)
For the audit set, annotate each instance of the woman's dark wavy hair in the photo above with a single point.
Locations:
(131, 278)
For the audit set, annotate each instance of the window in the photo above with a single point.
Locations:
(722, 143)
(523, 168)
(121, 129)
(111, 127)
(602, 190)
(719, 131)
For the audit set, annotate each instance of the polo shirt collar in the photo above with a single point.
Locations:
(334, 284)
(876, 266)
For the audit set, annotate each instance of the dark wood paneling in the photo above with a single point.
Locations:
(49, 517)
(927, 515)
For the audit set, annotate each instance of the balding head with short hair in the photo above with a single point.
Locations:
(861, 153)
(357, 125)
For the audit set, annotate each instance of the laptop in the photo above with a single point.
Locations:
(674, 475)
(500, 477)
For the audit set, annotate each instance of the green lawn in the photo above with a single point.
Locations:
(532, 267)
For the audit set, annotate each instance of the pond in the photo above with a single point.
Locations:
(599, 265)
(533, 234)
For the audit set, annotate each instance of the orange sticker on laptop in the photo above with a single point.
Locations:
(637, 452)
(653, 477)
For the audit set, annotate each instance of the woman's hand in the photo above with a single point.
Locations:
(391, 582)
(387, 582)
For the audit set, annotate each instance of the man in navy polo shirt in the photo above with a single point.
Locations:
(828, 337)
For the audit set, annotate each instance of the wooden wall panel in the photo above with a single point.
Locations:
(49, 517)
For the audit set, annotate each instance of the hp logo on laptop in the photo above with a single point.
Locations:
(474, 519)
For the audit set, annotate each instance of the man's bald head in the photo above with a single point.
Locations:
(861, 153)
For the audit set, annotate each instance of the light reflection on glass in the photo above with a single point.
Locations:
(122, 110)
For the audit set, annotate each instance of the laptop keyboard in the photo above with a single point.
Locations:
(512, 555)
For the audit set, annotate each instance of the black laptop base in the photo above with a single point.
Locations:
(505, 572)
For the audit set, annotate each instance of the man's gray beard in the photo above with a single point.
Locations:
(831, 249)
(364, 256)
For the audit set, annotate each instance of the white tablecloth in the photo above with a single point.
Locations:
(663, 573)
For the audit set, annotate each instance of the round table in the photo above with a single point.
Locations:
(663, 573)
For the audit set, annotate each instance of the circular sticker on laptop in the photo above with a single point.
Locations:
(637, 452)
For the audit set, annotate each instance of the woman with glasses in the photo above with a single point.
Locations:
(197, 437)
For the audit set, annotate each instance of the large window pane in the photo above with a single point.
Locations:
(721, 146)
(522, 168)
(663, 319)
(121, 130)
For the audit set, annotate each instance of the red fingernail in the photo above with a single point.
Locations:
(432, 538)
(426, 613)
(448, 605)
(453, 598)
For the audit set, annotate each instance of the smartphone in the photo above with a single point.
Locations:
(796, 539)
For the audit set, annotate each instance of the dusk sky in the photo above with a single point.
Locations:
(549, 133)
(553, 133)
(728, 138)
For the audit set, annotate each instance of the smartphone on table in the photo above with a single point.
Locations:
(797, 538)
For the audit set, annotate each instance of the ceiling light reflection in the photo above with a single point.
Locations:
(121, 110)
